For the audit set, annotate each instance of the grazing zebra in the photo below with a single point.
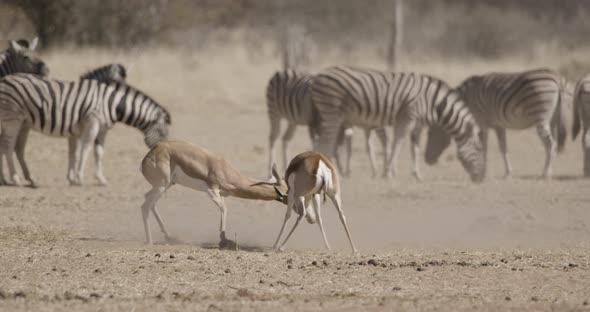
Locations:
(20, 57)
(288, 96)
(581, 119)
(85, 109)
(406, 101)
(511, 101)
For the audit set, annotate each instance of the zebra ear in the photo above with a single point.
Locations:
(15, 46)
(33, 43)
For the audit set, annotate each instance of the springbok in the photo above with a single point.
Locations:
(309, 174)
(192, 166)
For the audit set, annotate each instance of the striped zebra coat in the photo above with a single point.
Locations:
(512, 101)
(581, 119)
(84, 109)
(288, 96)
(20, 57)
(406, 101)
(107, 73)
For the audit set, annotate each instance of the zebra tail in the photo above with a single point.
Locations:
(576, 120)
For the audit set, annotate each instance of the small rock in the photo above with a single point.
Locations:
(266, 255)
(289, 261)
(97, 271)
(507, 298)
(585, 302)
(289, 266)
(95, 295)
(572, 265)
(14, 277)
(373, 262)
(314, 263)
(172, 256)
(534, 298)
(396, 288)
(20, 294)
(227, 271)
(88, 255)
(190, 257)
(513, 269)
(325, 263)
(261, 282)
(420, 269)
(157, 255)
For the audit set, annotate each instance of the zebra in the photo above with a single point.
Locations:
(107, 73)
(581, 118)
(511, 101)
(20, 57)
(288, 96)
(85, 109)
(406, 101)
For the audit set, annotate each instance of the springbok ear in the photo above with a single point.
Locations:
(275, 173)
(33, 43)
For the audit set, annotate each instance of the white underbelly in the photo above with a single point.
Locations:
(181, 178)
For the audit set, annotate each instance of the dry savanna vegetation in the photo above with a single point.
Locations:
(442, 244)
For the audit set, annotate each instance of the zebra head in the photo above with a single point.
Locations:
(157, 130)
(470, 152)
(21, 53)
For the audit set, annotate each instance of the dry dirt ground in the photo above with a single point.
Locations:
(443, 244)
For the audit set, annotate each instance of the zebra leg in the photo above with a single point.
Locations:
(8, 138)
(383, 136)
(370, 150)
(415, 151)
(501, 134)
(586, 148)
(544, 132)
(88, 136)
(98, 155)
(399, 135)
(275, 129)
(344, 140)
(21, 143)
(72, 156)
(286, 138)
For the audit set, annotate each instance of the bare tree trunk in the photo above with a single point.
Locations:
(396, 39)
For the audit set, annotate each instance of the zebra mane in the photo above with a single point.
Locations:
(107, 73)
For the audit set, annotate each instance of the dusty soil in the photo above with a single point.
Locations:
(443, 244)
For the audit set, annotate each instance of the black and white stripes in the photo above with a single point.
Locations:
(372, 98)
(513, 101)
(581, 120)
(82, 109)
